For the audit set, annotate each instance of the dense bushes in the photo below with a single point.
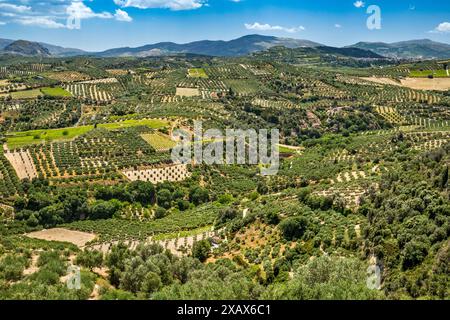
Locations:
(293, 228)
(326, 278)
(149, 271)
(49, 206)
(409, 222)
(12, 266)
(89, 259)
(44, 281)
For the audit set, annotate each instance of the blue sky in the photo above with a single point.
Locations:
(106, 24)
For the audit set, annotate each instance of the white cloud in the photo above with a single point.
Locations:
(267, 27)
(8, 14)
(121, 15)
(14, 8)
(54, 13)
(44, 22)
(337, 25)
(359, 4)
(2, 23)
(81, 11)
(165, 4)
(443, 27)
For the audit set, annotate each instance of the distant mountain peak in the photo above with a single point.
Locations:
(26, 48)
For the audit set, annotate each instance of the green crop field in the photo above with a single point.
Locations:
(56, 92)
(426, 73)
(26, 94)
(20, 139)
(159, 141)
(197, 73)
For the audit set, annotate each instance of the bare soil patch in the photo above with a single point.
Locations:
(438, 84)
(63, 235)
(187, 92)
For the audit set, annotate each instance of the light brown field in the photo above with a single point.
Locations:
(103, 80)
(188, 92)
(117, 72)
(22, 163)
(68, 76)
(63, 235)
(438, 84)
(388, 81)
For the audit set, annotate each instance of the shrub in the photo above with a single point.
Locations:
(227, 215)
(293, 228)
(160, 213)
(413, 254)
(90, 259)
(201, 250)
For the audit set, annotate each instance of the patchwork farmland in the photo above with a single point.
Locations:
(87, 176)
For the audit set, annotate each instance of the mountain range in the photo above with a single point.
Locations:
(237, 47)
(414, 49)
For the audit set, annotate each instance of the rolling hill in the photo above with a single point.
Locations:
(4, 43)
(54, 50)
(237, 47)
(322, 55)
(413, 49)
(59, 51)
(26, 48)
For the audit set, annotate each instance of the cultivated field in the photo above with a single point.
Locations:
(197, 73)
(56, 92)
(362, 177)
(20, 139)
(437, 84)
(159, 141)
(26, 94)
(187, 92)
